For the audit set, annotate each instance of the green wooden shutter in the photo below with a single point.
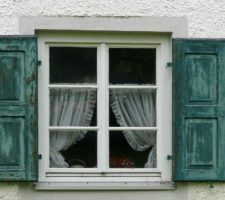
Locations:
(199, 110)
(18, 109)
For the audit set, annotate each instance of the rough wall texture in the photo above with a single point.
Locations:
(206, 19)
(9, 191)
(206, 191)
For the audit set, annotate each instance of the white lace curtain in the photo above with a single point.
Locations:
(69, 107)
(132, 107)
(136, 107)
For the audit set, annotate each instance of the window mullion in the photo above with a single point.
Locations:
(103, 108)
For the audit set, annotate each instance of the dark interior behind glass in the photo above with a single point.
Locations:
(73, 64)
(132, 66)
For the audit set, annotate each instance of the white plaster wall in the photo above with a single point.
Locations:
(206, 191)
(206, 19)
(9, 191)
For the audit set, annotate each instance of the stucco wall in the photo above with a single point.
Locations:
(206, 19)
(9, 191)
(206, 191)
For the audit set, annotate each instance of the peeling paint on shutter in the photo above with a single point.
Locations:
(199, 110)
(18, 108)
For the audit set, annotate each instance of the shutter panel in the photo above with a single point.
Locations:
(199, 110)
(18, 109)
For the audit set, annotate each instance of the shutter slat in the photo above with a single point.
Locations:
(198, 110)
(18, 109)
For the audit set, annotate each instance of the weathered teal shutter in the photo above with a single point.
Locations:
(18, 109)
(199, 110)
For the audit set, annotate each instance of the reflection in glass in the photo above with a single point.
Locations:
(132, 107)
(72, 107)
(132, 149)
(74, 149)
(132, 66)
(73, 64)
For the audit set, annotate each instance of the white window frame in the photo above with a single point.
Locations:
(164, 105)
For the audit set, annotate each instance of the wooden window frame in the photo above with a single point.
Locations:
(162, 44)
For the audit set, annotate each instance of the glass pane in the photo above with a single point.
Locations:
(73, 107)
(132, 149)
(73, 65)
(132, 66)
(132, 107)
(73, 149)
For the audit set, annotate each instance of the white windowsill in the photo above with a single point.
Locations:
(105, 186)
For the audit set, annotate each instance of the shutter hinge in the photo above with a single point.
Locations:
(40, 156)
(39, 62)
(169, 64)
(169, 157)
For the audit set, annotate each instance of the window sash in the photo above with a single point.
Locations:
(150, 41)
(103, 88)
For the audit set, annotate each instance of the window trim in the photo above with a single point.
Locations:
(176, 26)
(101, 186)
(163, 43)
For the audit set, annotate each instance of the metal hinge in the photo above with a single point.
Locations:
(169, 64)
(40, 156)
(169, 157)
(39, 62)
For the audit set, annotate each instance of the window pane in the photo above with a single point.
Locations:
(132, 65)
(73, 65)
(132, 107)
(74, 149)
(132, 149)
(73, 107)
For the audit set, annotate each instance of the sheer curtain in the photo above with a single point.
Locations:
(68, 107)
(136, 107)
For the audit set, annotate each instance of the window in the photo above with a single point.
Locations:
(198, 109)
(104, 107)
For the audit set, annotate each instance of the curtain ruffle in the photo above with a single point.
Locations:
(69, 107)
(135, 107)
